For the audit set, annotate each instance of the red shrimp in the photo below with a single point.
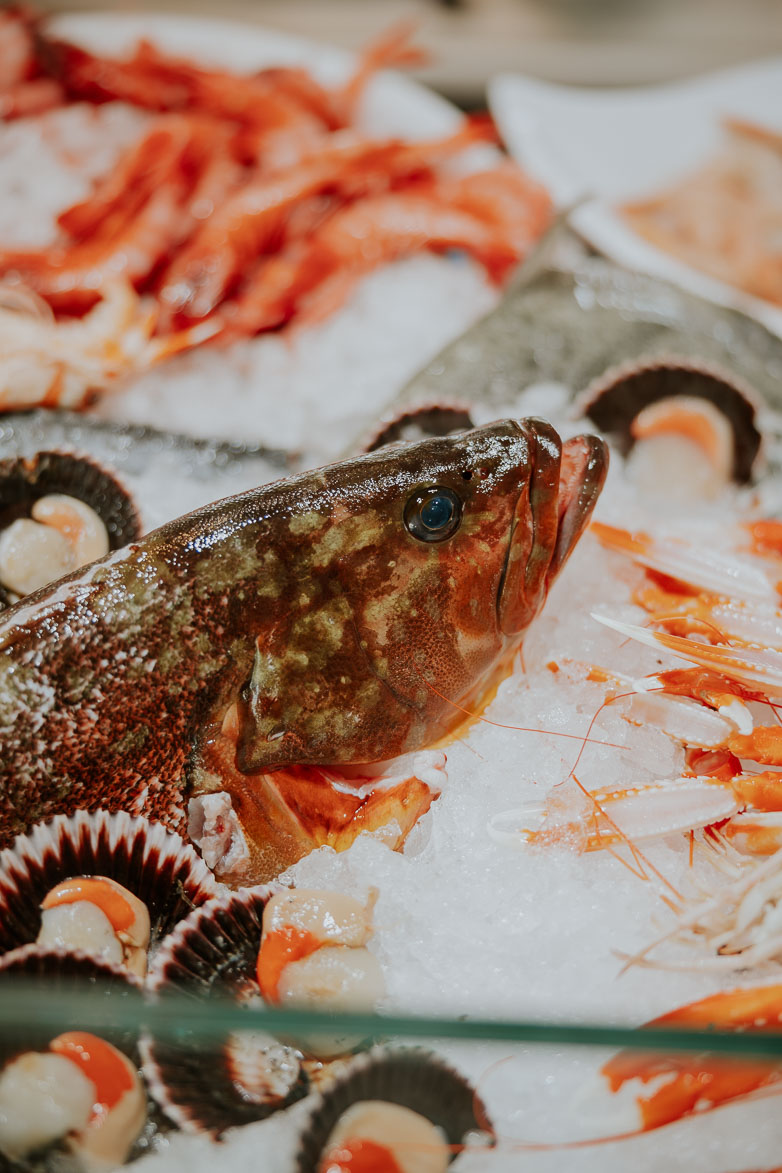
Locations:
(22, 91)
(147, 79)
(30, 97)
(17, 58)
(270, 97)
(316, 277)
(134, 218)
(258, 214)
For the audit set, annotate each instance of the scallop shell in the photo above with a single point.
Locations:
(428, 419)
(147, 859)
(411, 1077)
(613, 401)
(209, 1086)
(25, 479)
(48, 973)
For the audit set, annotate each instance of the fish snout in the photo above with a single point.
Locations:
(582, 473)
(560, 489)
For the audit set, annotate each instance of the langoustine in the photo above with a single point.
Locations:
(717, 608)
(655, 1089)
(317, 624)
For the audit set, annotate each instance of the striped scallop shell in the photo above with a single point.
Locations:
(613, 400)
(23, 480)
(210, 1086)
(152, 862)
(411, 1077)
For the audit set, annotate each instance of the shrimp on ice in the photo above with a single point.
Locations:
(652, 1089)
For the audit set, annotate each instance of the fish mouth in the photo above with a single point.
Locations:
(551, 513)
(582, 474)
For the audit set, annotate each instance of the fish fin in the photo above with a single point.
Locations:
(285, 814)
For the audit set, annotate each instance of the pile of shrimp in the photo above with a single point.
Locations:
(251, 201)
(715, 604)
(720, 610)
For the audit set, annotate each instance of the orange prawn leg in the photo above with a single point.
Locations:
(763, 792)
(757, 829)
(684, 1083)
(702, 685)
(766, 536)
(680, 610)
(719, 764)
(391, 50)
(763, 744)
(754, 833)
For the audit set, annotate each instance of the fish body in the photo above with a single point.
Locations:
(341, 617)
(568, 318)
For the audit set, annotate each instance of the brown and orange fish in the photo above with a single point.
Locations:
(249, 659)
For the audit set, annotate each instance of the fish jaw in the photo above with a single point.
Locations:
(552, 511)
(261, 824)
(582, 476)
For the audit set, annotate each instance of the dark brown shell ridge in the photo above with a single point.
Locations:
(613, 400)
(153, 863)
(411, 1077)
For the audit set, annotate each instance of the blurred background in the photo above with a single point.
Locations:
(586, 42)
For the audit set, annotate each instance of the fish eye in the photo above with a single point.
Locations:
(433, 514)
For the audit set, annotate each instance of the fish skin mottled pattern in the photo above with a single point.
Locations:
(305, 608)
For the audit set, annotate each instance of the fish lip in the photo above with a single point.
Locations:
(583, 470)
(553, 506)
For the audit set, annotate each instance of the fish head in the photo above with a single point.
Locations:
(422, 567)
(478, 526)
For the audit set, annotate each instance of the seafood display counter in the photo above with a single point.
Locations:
(417, 1093)
(390, 640)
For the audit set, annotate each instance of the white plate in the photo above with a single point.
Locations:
(608, 146)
